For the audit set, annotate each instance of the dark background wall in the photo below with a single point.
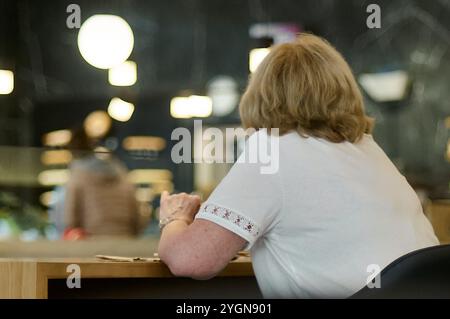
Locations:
(183, 44)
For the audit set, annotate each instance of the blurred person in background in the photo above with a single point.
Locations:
(80, 145)
(99, 200)
(56, 210)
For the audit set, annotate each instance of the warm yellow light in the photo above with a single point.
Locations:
(192, 106)
(47, 198)
(154, 187)
(256, 56)
(97, 124)
(148, 176)
(133, 143)
(160, 186)
(448, 151)
(144, 194)
(179, 107)
(201, 106)
(53, 177)
(385, 86)
(124, 74)
(6, 81)
(447, 122)
(105, 40)
(56, 157)
(57, 138)
(223, 91)
(120, 110)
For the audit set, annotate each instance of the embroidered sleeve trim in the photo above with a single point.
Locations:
(237, 219)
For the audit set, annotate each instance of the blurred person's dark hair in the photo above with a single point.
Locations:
(80, 143)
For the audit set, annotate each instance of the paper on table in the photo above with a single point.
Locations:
(127, 259)
(155, 258)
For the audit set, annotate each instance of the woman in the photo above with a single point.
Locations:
(100, 201)
(335, 207)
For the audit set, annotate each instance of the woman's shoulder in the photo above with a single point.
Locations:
(274, 135)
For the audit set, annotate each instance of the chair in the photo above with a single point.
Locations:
(423, 273)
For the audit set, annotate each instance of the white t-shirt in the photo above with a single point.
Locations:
(324, 215)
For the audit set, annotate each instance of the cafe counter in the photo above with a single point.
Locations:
(51, 278)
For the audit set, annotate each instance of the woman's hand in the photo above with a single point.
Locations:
(200, 250)
(180, 206)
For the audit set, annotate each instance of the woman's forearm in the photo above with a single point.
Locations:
(171, 249)
(189, 252)
(198, 249)
(169, 236)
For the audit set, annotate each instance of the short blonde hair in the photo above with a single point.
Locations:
(307, 86)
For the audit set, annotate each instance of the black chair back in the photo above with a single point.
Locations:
(424, 273)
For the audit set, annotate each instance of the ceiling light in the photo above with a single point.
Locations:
(57, 138)
(201, 106)
(56, 157)
(53, 177)
(47, 198)
(146, 176)
(447, 122)
(179, 107)
(192, 106)
(97, 124)
(105, 41)
(120, 110)
(223, 91)
(448, 151)
(135, 143)
(256, 56)
(6, 81)
(386, 86)
(124, 74)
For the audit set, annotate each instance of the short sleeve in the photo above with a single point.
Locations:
(249, 198)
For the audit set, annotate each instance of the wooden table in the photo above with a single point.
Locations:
(46, 278)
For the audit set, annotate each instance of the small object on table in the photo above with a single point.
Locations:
(74, 234)
(239, 254)
(127, 259)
